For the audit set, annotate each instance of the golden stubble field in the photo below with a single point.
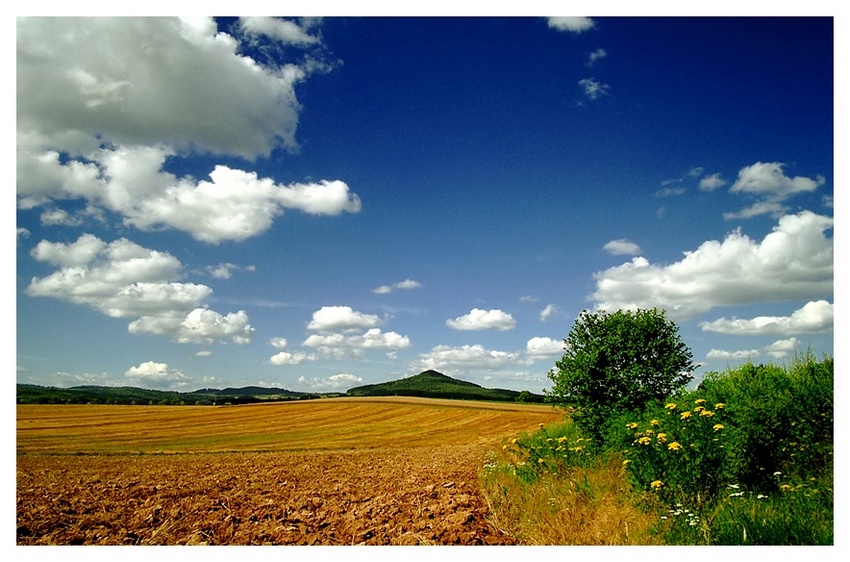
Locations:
(331, 471)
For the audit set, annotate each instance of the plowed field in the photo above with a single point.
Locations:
(332, 472)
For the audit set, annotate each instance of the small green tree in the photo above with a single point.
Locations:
(617, 362)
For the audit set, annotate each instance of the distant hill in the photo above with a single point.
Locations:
(432, 384)
(35, 394)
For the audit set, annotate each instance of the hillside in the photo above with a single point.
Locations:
(35, 394)
(431, 384)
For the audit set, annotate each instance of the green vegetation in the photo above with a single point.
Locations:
(34, 394)
(744, 459)
(431, 384)
(618, 362)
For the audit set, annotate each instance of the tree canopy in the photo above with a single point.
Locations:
(616, 362)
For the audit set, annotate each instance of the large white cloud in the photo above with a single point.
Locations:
(104, 103)
(478, 319)
(793, 262)
(146, 81)
(125, 280)
(813, 317)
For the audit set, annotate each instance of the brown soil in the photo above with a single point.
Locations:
(384, 496)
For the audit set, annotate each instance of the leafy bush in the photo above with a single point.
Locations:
(617, 362)
(678, 448)
(746, 458)
(737, 428)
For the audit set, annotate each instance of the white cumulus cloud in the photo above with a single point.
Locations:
(445, 358)
(478, 319)
(330, 318)
(711, 182)
(814, 316)
(101, 109)
(123, 280)
(158, 374)
(743, 354)
(794, 261)
(782, 348)
(544, 348)
(776, 350)
(339, 346)
(768, 183)
(287, 358)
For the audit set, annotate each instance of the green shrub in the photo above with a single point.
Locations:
(677, 448)
(617, 362)
(782, 418)
(746, 458)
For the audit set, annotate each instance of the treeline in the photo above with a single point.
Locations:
(428, 384)
(35, 394)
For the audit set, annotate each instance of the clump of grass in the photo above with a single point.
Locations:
(543, 491)
(799, 513)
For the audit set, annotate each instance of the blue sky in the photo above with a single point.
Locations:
(316, 204)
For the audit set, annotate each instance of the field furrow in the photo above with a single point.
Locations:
(366, 471)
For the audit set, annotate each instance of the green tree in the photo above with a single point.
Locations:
(617, 362)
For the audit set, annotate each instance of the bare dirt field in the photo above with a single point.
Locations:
(332, 472)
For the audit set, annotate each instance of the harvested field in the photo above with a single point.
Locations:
(334, 472)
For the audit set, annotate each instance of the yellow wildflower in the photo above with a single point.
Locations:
(685, 415)
(656, 484)
(644, 440)
(706, 413)
(719, 406)
(674, 446)
(513, 440)
(699, 408)
(576, 449)
(541, 461)
(562, 439)
(671, 406)
(662, 437)
(654, 423)
(699, 401)
(718, 426)
(649, 432)
(625, 462)
(631, 425)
